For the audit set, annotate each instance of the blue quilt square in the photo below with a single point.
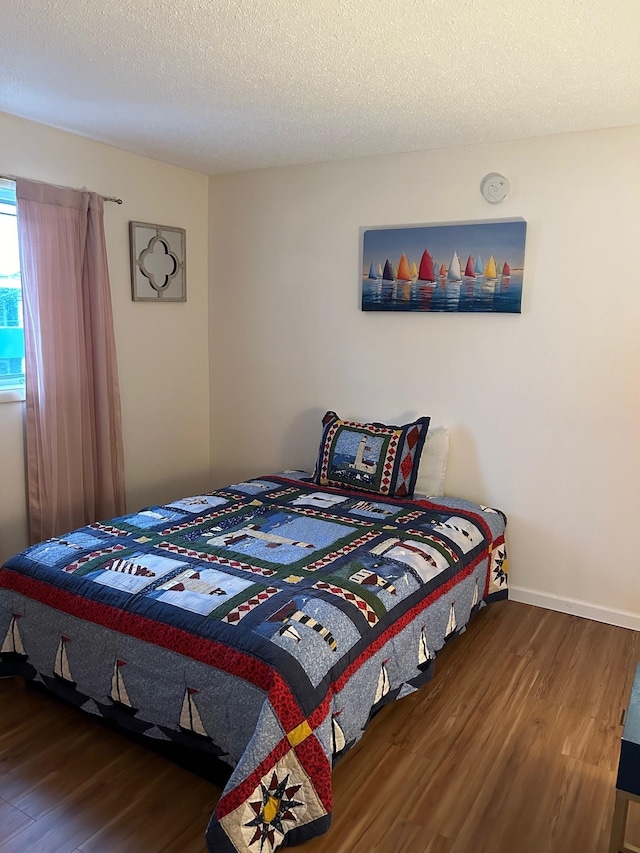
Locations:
(198, 503)
(156, 516)
(65, 548)
(281, 537)
(134, 572)
(199, 590)
(253, 487)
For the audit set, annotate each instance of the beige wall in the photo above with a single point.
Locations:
(543, 407)
(162, 349)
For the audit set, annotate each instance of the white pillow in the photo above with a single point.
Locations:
(433, 463)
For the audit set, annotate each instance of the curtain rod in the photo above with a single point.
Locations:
(104, 197)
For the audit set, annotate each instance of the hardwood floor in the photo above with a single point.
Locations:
(512, 748)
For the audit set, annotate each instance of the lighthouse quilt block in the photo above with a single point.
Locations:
(262, 625)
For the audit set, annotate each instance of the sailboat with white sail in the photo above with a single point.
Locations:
(425, 655)
(190, 719)
(452, 625)
(290, 631)
(191, 731)
(13, 657)
(121, 708)
(454, 273)
(383, 685)
(61, 668)
(338, 740)
(476, 596)
(13, 647)
(63, 682)
(119, 694)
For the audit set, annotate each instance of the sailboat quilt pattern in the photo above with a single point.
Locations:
(264, 623)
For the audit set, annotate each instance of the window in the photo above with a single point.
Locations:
(11, 333)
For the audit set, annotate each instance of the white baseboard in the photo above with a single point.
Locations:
(621, 618)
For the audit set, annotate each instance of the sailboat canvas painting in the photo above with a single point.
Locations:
(475, 267)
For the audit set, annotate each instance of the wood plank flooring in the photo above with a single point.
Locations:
(512, 748)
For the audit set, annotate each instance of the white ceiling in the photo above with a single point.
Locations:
(225, 85)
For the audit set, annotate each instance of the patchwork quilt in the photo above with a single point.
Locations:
(264, 623)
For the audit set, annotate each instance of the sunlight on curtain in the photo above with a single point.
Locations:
(73, 425)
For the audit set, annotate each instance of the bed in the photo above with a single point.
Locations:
(263, 624)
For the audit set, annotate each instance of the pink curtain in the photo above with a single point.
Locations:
(75, 460)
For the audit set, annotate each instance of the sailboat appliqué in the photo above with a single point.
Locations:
(290, 631)
(61, 666)
(118, 689)
(337, 735)
(383, 683)
(368, 578)
(451, 625)
(13, 641)
(424, 655)
(190, 719)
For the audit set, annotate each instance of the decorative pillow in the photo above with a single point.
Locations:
(370, 457)
(433, 465)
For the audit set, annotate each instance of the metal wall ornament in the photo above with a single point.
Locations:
(158, 263)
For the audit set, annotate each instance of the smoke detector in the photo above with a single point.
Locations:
(495, 187)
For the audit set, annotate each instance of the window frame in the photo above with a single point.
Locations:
(12, 391)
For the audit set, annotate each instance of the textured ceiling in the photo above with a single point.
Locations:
(225, 85)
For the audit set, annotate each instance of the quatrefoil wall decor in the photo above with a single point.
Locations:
(158, 263)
